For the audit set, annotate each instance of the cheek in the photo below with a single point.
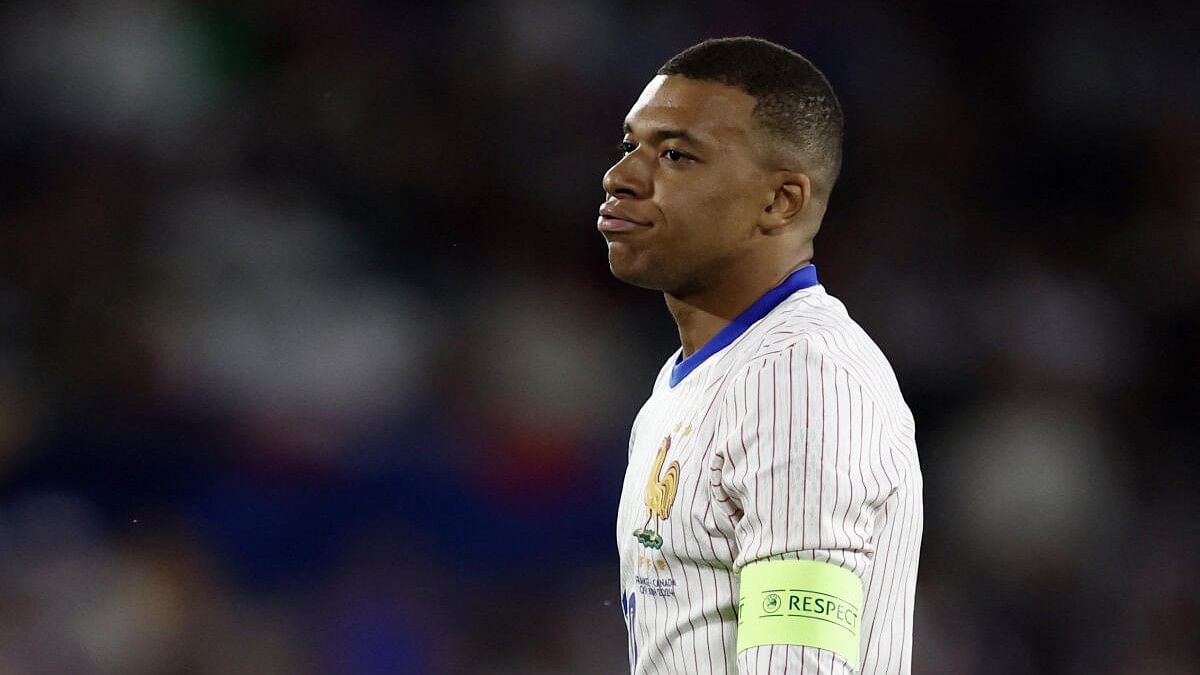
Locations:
(706, 208)
(723, 215)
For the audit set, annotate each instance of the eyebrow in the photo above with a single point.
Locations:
(662, 134)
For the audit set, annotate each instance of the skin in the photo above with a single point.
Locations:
(722, 218)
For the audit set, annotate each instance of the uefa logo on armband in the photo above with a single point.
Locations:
(771, 603)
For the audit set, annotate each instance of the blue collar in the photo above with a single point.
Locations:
(802, 278)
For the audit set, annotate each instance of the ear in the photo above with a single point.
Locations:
(793, 195)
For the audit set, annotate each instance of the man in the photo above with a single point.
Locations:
(771, 516)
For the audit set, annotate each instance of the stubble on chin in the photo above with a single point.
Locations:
(634, 271)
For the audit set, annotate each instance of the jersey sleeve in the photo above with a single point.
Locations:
(799, 476)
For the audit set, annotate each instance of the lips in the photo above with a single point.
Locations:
(607, 224)
(616, 220)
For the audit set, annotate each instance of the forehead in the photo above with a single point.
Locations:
(707, 110)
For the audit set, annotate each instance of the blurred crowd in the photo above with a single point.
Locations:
(312, 363)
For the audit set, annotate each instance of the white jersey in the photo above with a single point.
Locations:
(785, 437)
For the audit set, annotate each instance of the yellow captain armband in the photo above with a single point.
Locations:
(800, 602)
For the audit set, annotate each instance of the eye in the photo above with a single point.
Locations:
(674, 155)
(626, 147)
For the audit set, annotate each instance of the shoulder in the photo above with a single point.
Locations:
(813, 324)
(815, 319)
(812, 337)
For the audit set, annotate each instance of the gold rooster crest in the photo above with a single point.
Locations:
(660, 494)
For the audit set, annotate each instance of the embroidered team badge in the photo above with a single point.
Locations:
(660, 494)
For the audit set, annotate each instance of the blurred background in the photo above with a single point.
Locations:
(311, 361)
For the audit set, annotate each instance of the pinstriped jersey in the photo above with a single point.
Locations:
(792, 441)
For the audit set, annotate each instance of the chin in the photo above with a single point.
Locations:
(633, 273)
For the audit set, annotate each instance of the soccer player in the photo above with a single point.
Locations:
(771, 516)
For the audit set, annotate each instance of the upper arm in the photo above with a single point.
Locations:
(800, 475)
(800, 460)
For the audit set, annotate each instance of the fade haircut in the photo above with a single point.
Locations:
(796, 105)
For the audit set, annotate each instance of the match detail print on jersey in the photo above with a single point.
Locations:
(800, 602)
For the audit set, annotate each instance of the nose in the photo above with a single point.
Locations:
(627, 178)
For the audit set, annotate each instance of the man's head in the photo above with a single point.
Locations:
(798, 116)
(728, 159)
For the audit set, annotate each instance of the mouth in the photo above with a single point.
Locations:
(612, 220)
(614, 224)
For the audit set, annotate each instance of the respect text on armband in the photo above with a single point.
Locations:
(804, 603)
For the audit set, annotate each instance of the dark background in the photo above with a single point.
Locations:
(312, 363)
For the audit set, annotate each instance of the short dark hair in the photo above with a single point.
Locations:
(795, 102)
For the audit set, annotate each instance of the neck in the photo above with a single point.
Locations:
(696, 325)
(701, 315)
